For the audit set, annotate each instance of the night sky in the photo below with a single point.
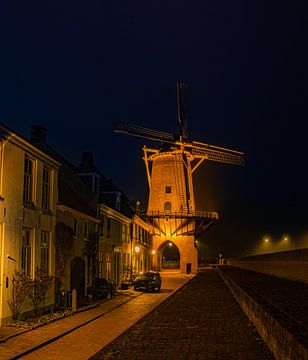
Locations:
(80, 67)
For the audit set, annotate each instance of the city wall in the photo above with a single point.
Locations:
(291, 264)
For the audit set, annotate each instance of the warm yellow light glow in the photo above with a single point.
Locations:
(170, 244)
(137, 249)
(285, 238)
(153, 252)
(266, 239)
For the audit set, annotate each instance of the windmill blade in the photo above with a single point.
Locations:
(182, 94)
(217, 154)
(140, 131)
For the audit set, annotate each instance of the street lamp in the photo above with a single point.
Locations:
(137, 249)
(268, 240)
(287, 240)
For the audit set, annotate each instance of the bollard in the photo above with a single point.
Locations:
(74, 300)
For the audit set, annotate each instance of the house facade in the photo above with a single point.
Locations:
(28, 200)
(142, 253)
(76, 235)
(71, 222)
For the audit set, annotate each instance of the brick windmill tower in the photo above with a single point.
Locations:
(170, 168)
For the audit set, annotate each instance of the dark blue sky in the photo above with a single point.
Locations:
(79, 67)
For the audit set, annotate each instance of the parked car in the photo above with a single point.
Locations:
(148, 281)
(102, 288)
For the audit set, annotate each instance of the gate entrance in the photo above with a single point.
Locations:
(169, 256)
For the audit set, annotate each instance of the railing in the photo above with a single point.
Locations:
(181, 214)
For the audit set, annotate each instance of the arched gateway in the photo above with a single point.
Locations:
(168, 256)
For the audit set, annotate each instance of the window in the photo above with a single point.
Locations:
(45, 252)
(75, 226)
(123, 233)
(168, 189)
(85, 230)
(108, 227)
(108, 265)
(46, 189)
(26, 252)
(167, 206)
(100, 261)
(28, 181)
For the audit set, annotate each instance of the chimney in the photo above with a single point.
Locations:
(87, 160)
(38, 134)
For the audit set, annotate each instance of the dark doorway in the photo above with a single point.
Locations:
(170, 258)
(78, 276)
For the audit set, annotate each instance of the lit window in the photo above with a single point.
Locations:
(100, 260)
(168, 189)
(45, 252)
(123, 233)
(26, 252)
(28, 181)
(46, 189)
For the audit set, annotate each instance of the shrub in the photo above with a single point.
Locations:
(37, 290)
(20, 288)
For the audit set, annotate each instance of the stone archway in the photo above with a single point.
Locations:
(168, 256)
(188, 254)
(78, 276)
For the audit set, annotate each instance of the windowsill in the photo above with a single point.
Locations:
(30, 206)
(47, 212)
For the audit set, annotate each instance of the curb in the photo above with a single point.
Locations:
(46, 342)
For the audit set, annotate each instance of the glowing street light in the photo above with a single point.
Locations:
(268, 241)
(153, 252)
(137, 249)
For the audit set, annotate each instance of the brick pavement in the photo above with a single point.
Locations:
(22, 342)
(119, 314)
(201, 321)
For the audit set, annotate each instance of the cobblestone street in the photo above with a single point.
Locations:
(201, 321)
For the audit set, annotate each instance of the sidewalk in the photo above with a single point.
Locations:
(9, 331)
(76, 336)
(16, 340)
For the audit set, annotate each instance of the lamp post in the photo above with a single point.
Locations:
(287, 240)
(154, 263)
(268, 241)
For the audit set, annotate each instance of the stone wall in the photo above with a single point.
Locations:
(291, 264)
(276, 334)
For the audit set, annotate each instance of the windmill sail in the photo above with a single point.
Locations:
(218, 154)
(182, 93)
(140, 131)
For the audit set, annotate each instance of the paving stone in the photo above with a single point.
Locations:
(201, 321)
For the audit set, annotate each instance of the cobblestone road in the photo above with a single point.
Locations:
(201, 321)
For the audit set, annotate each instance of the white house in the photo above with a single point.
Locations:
(28, 199)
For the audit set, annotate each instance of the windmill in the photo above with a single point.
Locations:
(170, 168)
